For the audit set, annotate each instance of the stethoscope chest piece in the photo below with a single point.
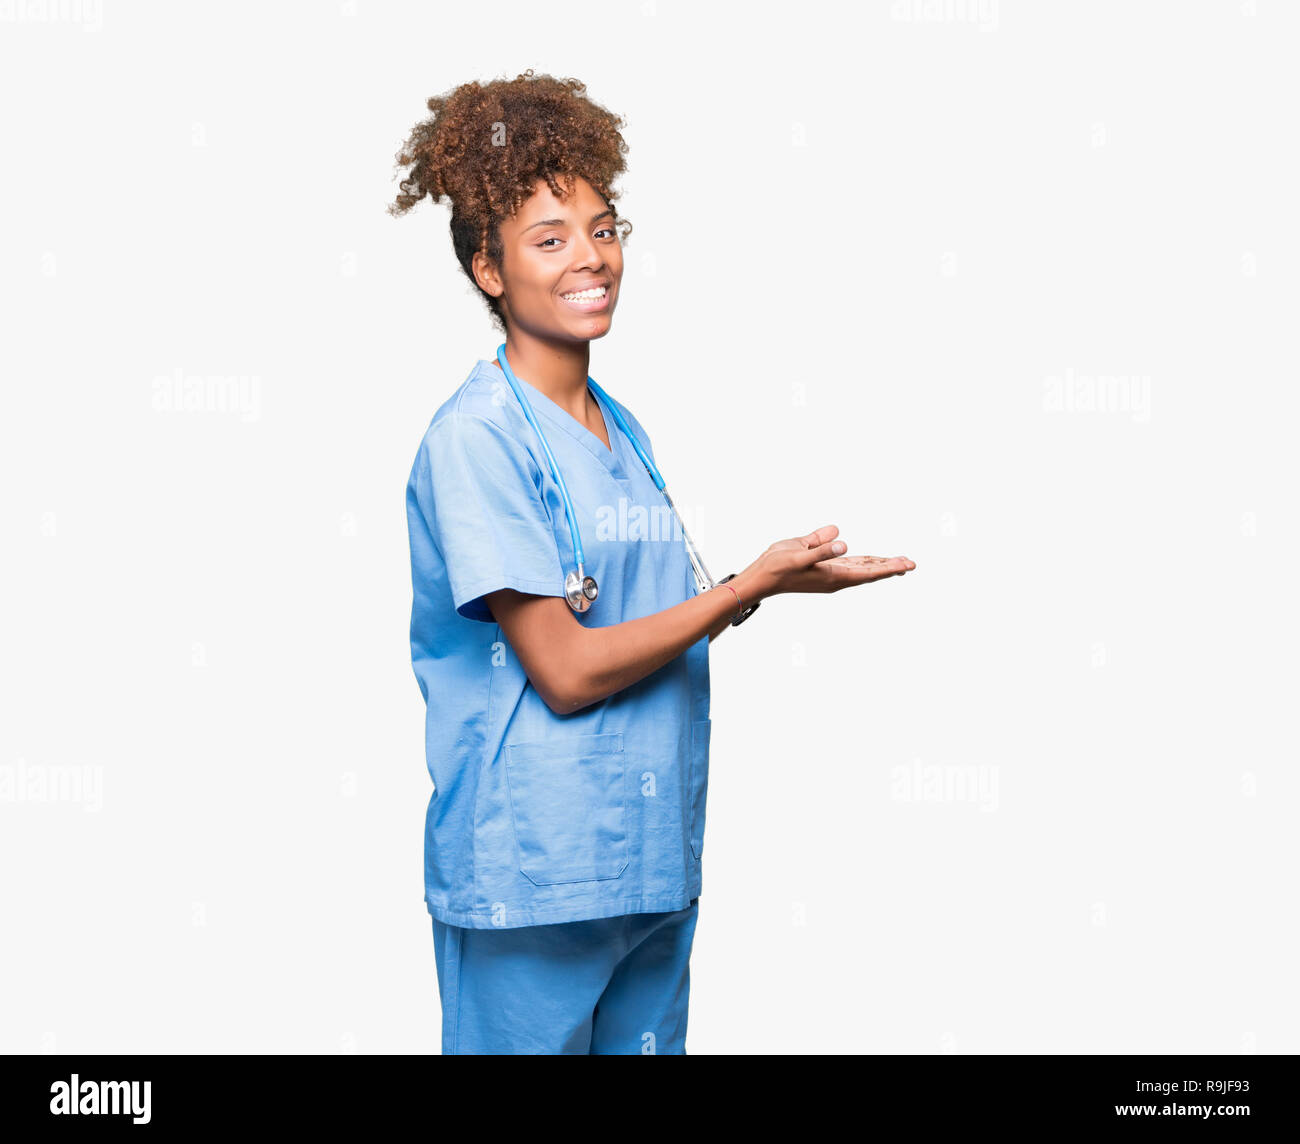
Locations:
(579, 590)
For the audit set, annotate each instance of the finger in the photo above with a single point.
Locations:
(823, 535)
(863, 561)
(906, 564)
(860, 569)
(827, 551)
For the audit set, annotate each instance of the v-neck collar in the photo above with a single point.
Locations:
(543, 406)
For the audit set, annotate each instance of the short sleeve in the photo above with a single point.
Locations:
(480, 496)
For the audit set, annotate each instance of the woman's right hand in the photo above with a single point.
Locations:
(814, 563)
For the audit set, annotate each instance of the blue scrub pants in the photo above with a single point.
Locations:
(610, 985)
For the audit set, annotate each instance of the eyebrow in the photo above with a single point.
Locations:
(560, 222)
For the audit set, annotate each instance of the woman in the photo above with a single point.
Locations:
(567, 737)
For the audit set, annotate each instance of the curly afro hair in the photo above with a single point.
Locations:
(486, 145)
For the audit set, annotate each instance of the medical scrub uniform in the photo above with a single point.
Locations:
(562, 852)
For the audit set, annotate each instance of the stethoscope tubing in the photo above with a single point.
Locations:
(550, 457)
(697, 564)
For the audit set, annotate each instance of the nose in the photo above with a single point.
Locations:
(586, 254)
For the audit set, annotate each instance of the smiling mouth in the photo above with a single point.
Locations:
(597, 298)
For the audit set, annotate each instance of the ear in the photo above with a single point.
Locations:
(485, 274)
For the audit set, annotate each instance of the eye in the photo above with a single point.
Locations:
(606, 230)
(551, 239)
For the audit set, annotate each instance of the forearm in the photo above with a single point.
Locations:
(618, 656)
(720, 627)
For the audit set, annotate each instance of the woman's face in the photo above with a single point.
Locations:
(554, 248)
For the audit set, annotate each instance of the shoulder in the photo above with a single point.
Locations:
(480, 416)
(483, 396)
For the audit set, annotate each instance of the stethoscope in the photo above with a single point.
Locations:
(579, 588)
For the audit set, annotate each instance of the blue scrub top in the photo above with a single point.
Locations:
(535, 817)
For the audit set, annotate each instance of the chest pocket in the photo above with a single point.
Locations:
(568, 800)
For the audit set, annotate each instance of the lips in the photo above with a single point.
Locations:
(587, 299)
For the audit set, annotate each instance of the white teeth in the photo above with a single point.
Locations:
(585, 295)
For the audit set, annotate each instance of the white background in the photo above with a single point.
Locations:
(873, 245)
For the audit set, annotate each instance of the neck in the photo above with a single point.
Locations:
(558, 369)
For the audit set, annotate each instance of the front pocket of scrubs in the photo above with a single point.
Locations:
(568, 803)
(699, 785)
